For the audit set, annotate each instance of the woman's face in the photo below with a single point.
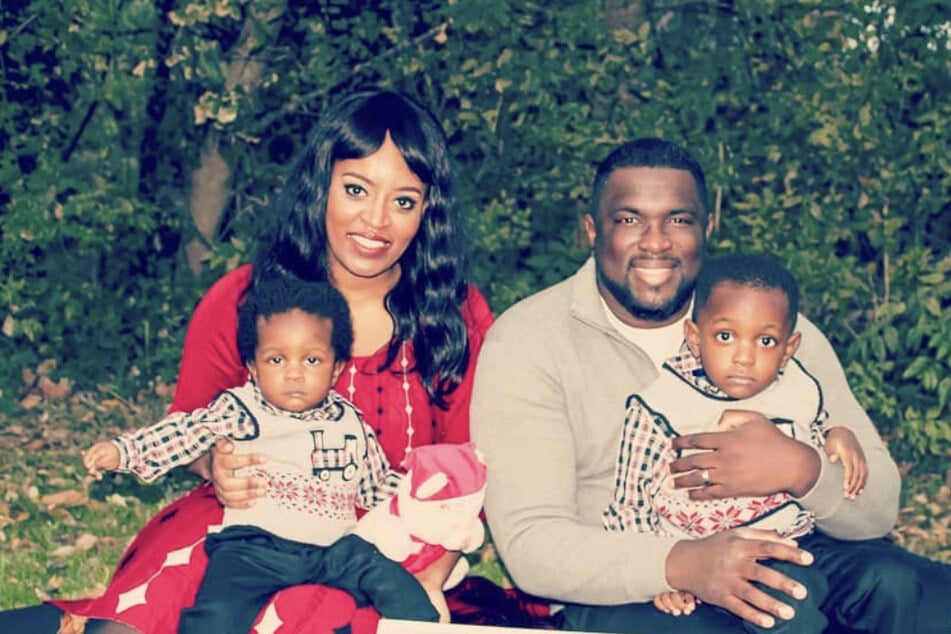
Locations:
(374, 209)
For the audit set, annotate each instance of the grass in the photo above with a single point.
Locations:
(61, 533)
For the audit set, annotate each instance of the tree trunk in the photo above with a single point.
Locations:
(211, 189)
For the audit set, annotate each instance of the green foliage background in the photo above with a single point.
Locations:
(823, 126)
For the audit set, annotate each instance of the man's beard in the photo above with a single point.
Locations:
(648, 312)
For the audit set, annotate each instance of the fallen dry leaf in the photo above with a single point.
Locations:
(56, 391)
(18, 543)
(31, 401)
(68, 498)
(86, 541)
(117, 500)
(62, 552)
(61, 515)
(164, 390)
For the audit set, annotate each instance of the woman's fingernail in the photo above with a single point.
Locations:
(799, 592)
(786, 612)
(807, 558)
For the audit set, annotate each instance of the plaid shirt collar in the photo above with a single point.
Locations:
(689, 369)
(327, 409)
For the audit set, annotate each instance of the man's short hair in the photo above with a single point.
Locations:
(647, 152)
(755, 271)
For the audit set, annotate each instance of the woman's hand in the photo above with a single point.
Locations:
(233, 491)
(753, 458)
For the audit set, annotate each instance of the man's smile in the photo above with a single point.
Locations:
(654, 272)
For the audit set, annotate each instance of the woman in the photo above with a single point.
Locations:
(370, 208)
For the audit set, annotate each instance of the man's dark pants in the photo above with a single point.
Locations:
(870, 586)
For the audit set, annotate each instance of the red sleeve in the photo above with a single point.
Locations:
(210, 360)
(452, 424)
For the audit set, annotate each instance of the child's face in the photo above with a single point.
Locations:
(742, 337)
(294, 364)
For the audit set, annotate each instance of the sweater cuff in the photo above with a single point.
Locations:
(644, 587)
(826, 494)
(124, 457)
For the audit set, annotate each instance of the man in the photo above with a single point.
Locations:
(547, 411)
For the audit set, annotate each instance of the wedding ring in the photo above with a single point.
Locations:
(705, 475)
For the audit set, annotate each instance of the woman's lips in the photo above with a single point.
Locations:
(369, 243)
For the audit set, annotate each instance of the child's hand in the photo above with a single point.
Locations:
(438, 599)
(102, 455)
(432, 579)
(842, 446)
(676, 603)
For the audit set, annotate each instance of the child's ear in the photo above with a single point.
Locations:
(338, 368)
(792, 344)
(252, 370)
(692, 337)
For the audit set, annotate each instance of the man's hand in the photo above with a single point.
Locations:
(753, 458)
(232, 491)
(721, 569)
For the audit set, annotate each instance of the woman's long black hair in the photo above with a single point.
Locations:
(425, 303)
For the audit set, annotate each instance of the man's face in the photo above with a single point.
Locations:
(648, 240)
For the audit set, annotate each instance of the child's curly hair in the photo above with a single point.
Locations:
(281, 294)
